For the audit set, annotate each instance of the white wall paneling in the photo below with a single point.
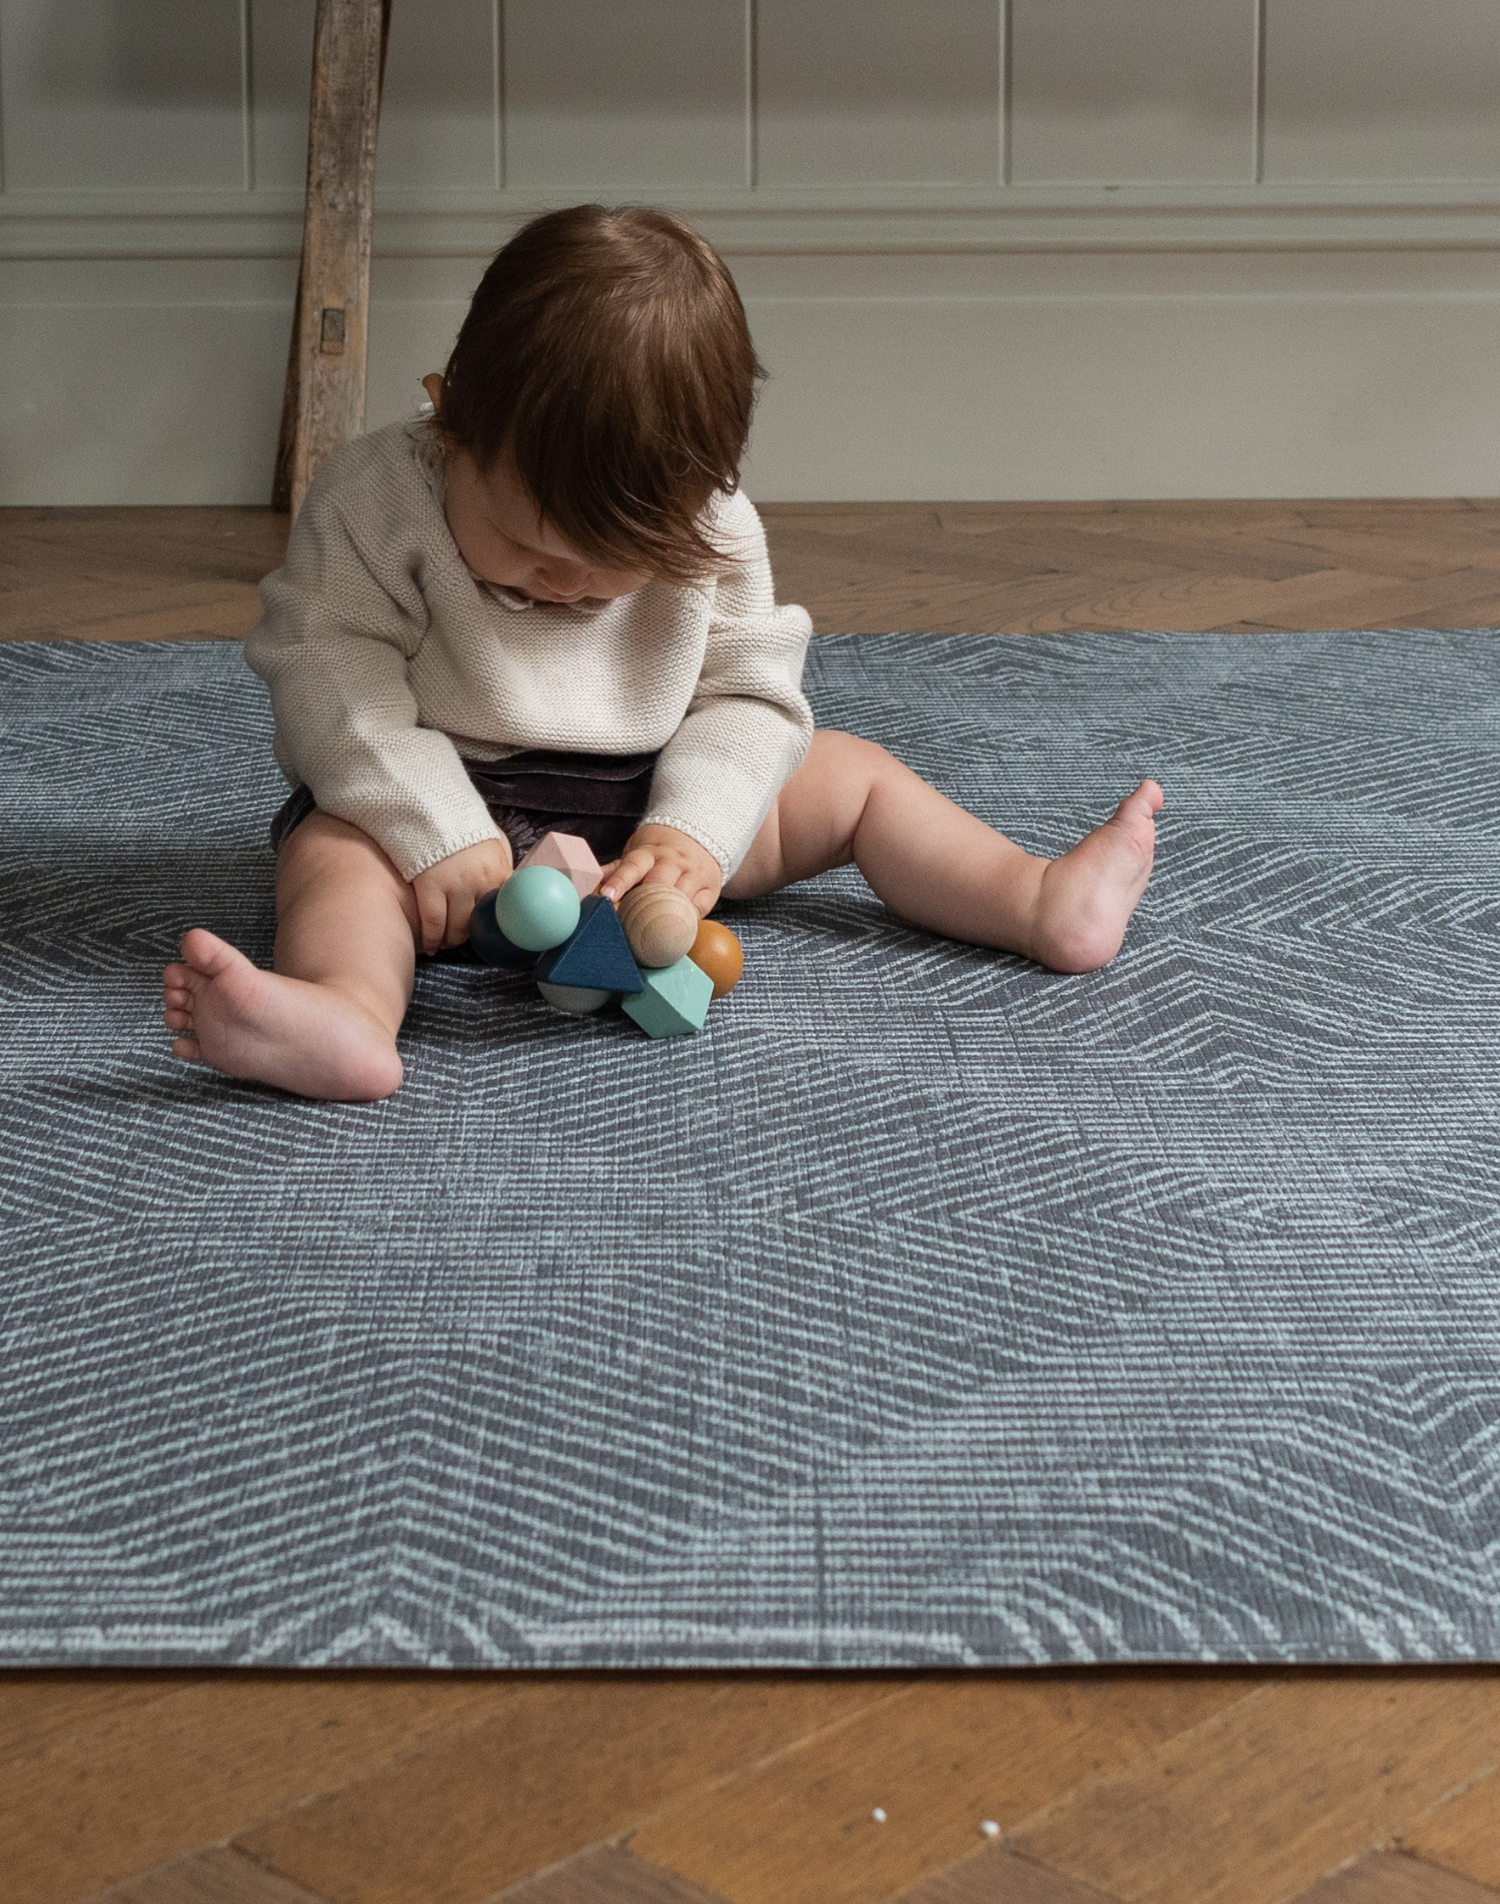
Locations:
(142, 381)
(1382, 89)
(113, 94)
(989, 247)
(880, 92)
(1054, 377)
(625, 94)
(1154, 89)
(279, 80)
(439, 116)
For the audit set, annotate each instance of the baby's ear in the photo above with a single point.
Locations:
(433, 385)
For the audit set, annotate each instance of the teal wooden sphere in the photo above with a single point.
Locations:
(537, 908)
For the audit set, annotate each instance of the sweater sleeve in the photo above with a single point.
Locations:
(748, 725)
(340, 622)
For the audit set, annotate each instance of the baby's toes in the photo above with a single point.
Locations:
(175, 1019)
(1142, 806)
(186, 1048)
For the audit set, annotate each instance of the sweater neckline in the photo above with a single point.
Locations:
(517, 600)
(427, 452)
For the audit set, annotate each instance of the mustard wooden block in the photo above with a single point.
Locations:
(660, 922)
(673, 1002)
(567, 854)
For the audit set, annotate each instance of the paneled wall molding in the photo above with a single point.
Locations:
(988, 248)
(1331, 217)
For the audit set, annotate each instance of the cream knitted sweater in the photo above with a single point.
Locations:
(387, 659)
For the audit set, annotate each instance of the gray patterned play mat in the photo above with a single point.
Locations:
(927, 1308)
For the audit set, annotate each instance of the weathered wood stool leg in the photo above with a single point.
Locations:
(324, 400)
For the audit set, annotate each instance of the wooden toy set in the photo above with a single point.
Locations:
(664, 964)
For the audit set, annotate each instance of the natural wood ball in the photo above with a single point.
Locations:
(660, 922)
(719, 953)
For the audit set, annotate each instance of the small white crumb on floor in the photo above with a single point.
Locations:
(989, 1828)
(878, 1814)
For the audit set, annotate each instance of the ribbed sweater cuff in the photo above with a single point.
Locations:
(420, 860)
(705, 840)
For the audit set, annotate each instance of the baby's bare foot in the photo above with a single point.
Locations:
(284, 1031)
(1086, 897)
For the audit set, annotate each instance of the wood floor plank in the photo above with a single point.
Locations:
(1263, 1798)
(1458, 607)
(219, 1876)
(1463, 1833)
(134, 574)
(1186, 601)
(1032, 568)
(1402, 556)
(196, 612)
(610, 1875)
(800, 1830)
(1390, 1877)
(125, 574)
(41, 1709)
(196, 543)
(999, 1877)
(1328, 598)
(159, 1781)
(570, 1762)
(1134, 550)
(1340, 599)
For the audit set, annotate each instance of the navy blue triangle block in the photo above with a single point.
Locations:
(597, 956)
(489, 944)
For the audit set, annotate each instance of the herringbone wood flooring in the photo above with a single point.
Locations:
(164, 574)
(1168, 1787)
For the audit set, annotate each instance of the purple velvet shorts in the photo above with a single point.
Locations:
(600, 797)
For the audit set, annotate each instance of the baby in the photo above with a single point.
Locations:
(548, 606)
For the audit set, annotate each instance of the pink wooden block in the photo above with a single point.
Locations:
(569, 855)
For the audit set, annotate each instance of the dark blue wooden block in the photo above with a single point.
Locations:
(489, 944)
(597, 957)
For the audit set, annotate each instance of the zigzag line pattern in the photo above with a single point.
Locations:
(927, 1308)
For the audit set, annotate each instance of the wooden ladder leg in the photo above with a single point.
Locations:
(323, 403)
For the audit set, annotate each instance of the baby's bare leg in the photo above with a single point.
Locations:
(324, 1023)
(940, 867)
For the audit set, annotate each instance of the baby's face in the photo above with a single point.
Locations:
(499, 536)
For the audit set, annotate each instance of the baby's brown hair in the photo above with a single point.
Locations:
(606, 351)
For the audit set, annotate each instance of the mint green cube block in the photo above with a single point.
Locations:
(675, 1000)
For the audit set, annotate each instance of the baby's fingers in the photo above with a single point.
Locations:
(628, 872)
(432, 913)
(460, 913)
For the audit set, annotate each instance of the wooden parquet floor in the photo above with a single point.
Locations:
(1133, 1786)
(1024, 568)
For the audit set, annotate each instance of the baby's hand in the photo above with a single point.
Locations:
(445, 893)
(661, 856)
